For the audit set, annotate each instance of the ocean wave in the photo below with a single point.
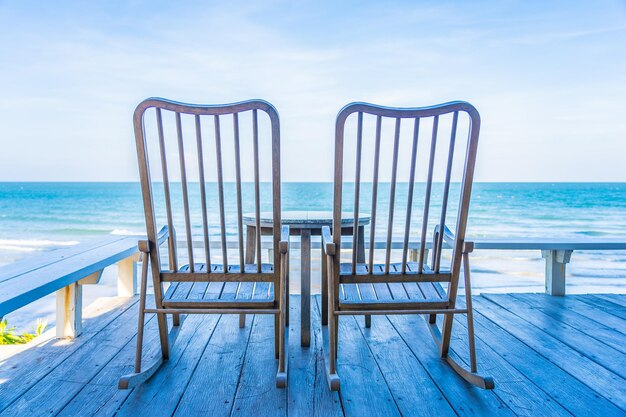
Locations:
(33, 245)
(126, 232)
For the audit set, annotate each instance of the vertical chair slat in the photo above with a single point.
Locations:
(374, 193)
(220, 191)
(238, 179)
(409, 205)
(446, 189)
(183, 180)
(166, 190)
(357, 189)
(257, 190)
(392, 193)
(429, 183)
(205, 222)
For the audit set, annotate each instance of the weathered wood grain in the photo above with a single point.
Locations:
(568, 391)
(590, 347)
(583, 368)
(466, 399)
(52, 392)
(172, 378)
(212, 387)
(256, 393)
(594, 329)
(514, 389)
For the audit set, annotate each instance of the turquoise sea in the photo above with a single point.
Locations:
(36, 217)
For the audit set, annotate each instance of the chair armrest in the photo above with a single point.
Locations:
(162, 236)
(450, 239)
(327, 241)
(283, 245)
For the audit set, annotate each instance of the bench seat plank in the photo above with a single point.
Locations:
(51, 273)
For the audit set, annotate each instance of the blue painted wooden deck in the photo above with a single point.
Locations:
(548, 355)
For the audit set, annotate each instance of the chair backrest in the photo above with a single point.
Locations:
(417, 148)
(198, 195)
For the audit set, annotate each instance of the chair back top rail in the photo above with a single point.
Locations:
(434, 145)
(206, 154)
(28, 280)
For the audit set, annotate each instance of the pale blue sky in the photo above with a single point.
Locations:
(549, 78)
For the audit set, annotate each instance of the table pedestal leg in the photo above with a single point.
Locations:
(250, 244)
(360, 243)
(305, 287)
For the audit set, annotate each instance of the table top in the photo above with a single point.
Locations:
(303, 218)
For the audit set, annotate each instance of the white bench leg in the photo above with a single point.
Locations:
(555, 270)
(70, 311)
(127, 277)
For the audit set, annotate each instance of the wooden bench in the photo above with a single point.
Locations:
(556, 252)
(65, 271)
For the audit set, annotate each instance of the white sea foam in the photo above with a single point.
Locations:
(126, 232)
(33, 245)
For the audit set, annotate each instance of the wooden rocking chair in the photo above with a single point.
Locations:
(202, 286)
(411, 286)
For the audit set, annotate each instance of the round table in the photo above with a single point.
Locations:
(304, 224)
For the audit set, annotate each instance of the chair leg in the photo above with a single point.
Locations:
(276, 336)
(287, 295)
(330, 334)
(324, 295)
(242, 321)
(470, 313)
(432, 318)
(368, 321)
(176, 319)
(283, 327)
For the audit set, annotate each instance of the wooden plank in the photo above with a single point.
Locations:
(572, 394)
(594, 329)
(29, 287)
(516, 390)
(161, 393)
(257, 392)
(212, 386)
(466, 399)
(308, 393)
(414, 391)
(619, 299)
(52, 392)
(302, 363)
(30, 264)
(363, 386)
(604, 382)
(595, 314)
(595, 350)
(602, 304)
(101, 396)
(551, 244)
(611, 305)
(22, 370)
